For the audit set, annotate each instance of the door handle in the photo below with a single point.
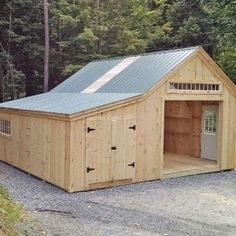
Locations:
(132, 164)
(113, 148)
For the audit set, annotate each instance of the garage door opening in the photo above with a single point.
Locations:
(190, 137)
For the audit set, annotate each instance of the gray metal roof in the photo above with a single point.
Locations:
(133, 80)
(138, 77)
(65, 103)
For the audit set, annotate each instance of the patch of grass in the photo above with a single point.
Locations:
(10, 214)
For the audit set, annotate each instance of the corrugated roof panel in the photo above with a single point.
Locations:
(86, 76)
(65, 103)
(145, 72)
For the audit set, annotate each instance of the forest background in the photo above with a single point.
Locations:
(84, 30)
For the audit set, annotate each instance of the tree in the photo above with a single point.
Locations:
(46, 53)
(222, 14)
(84, 30)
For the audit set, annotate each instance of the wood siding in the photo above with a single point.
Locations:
(37, 146)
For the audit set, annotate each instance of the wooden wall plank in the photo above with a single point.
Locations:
(78, 151)
(140, 141)
(231, 132)
(98, 151)
(225, 130)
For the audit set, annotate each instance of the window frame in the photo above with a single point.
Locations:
(5, 127)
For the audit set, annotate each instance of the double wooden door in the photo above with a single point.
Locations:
(110, 150)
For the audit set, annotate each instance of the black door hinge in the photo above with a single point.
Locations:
(113, 148)
(133, 127)
(90, 129)
(90, 169)
(132, 164)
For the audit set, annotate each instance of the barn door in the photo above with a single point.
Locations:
(110, 150)
(209, 132)
(124, 143)
(98, 151)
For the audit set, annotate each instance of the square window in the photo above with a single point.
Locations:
(5, 127)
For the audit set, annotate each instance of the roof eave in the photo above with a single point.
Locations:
(43, 114)
(77, 115)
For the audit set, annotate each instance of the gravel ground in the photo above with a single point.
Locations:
(195, 205)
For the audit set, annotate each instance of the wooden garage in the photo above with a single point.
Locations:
(125, 120)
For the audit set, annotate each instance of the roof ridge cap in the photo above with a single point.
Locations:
(147, 53)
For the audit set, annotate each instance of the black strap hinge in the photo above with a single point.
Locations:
(132, 164)
(90, 129)
(90, 169)
(133, 127)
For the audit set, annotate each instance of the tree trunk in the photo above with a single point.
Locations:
(29, 89)
(46, 54)
(9, 50)
(2, 87)
(9, 63)
(97, 24)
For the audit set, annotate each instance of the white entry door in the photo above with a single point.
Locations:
(209, 132)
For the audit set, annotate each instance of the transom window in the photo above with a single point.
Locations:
(5, 127)
(210, 122)
(194, 87)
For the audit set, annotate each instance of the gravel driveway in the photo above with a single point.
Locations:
(195, 205)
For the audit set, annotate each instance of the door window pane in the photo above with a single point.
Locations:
(210, 122)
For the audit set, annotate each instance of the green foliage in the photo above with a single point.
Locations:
(223, 16)
(10, 213)
(83, 30)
